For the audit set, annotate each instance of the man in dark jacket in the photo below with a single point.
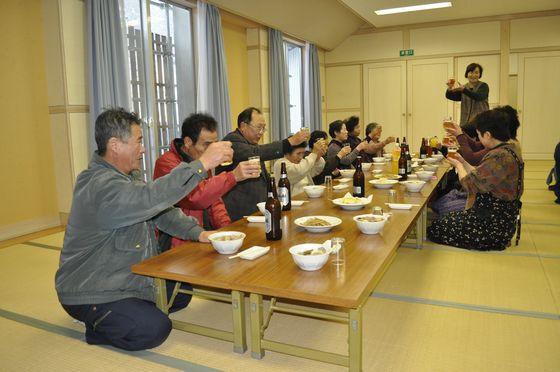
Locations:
(243, 198)
(112, 226)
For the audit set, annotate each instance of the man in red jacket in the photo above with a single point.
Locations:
(205, 201)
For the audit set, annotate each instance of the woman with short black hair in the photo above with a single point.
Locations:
(494, 187)
(473, 96)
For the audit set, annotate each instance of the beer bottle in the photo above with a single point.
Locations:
(423, 150)
(396, 150)
(428, 149)
(284, 191)
(402, 164)
(404, 141)
(272, 213)
(408, 160)
(359, 180)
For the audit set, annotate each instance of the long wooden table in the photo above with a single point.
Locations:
(334, 293)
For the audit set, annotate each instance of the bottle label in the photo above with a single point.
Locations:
(267, 221)
(423, 156)
(283, 196)
(357, 189)
(402, 171)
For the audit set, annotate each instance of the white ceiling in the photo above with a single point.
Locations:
(460, 9)
(329, 22)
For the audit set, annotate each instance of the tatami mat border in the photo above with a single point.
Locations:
(458, 305)
(438, 247)
(40, 245)
(149, 356)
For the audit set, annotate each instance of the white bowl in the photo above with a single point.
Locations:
(370, 227)
(424, 175)
(388, 156)
(430, 160)
(309, 262)
(347, 173)
(383, 183)
(366, 166)
(226, 246)
(413, 186)
(379, 159)
(314, 191)
(261, 207)
(334, 221)
(430, 167)
(439, 157)
(351, 207)
(376, 171)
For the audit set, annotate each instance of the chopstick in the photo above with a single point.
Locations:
(414, 205)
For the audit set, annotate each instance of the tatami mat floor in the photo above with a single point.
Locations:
(436, 309)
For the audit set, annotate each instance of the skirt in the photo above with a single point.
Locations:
(488, 226)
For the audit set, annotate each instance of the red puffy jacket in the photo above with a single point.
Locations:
(206, 196)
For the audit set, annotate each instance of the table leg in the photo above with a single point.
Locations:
(257, 351)
(425, 222)
(238, 309)
(419, 236)
(161, 295)
(355, 339)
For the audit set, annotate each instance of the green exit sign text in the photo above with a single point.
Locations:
(406, 52)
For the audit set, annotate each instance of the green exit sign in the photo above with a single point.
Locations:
(406, 52)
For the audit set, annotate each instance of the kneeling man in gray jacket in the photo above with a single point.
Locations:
(112, 227)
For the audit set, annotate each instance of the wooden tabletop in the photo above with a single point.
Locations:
(276, 274)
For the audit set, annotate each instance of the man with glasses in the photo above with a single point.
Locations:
(243, 198)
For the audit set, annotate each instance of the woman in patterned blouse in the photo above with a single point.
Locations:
(494, 186)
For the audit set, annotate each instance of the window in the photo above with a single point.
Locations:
(160, 49)
(294, 60)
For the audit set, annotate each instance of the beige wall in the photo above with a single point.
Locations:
(235, 43)
(27, 191)
(496, 44)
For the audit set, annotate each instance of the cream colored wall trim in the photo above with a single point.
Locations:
(453, 22)
(346, 109)
(406, 39)
(504, 61)
(63, 218)
(361, 62)
(265, 110)
(259, 47)
(69, 109)
(536, 49)
(28, 226)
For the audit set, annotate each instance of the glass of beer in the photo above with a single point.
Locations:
(452, 152)
(255, 159)
(448, 122)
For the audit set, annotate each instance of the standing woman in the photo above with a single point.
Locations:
(494, 187)
(473, 97)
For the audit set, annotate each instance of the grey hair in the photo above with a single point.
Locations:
(370, 128)
(114, 122)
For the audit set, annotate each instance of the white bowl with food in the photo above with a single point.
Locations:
(413, 185)
(310, 256)
(430, 167)
(388, 176)
(351, 203)
(417, 161)
(318, 224)
(347, 173)
(366, 166)
(388, 156)
(314, 191)
(383, 183)
(430, 160)
(261, 207)
(379, 159)
(370, 224)
(424, 175)
(438, 157)
(227, 242)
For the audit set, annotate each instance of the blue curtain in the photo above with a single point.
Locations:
(278, 77)
(109, 80)
(213, 90)
(314, 81)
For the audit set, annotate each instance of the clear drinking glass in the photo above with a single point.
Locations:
(377, 211)
(337, 244)
(328, 182)
(256, 159)
(392, 197)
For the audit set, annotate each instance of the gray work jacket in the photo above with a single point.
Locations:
(112, 227)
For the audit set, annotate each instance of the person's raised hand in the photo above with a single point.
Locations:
(215, 154)
(319, 148)
(344, 151)
(299, 137)
(389, 140)
(247, 169)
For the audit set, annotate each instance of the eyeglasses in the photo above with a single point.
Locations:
(259, 130)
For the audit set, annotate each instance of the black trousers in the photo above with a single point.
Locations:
(557, 169)
(130, 323)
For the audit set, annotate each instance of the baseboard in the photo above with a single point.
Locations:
(28, 226)
(63, 218)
